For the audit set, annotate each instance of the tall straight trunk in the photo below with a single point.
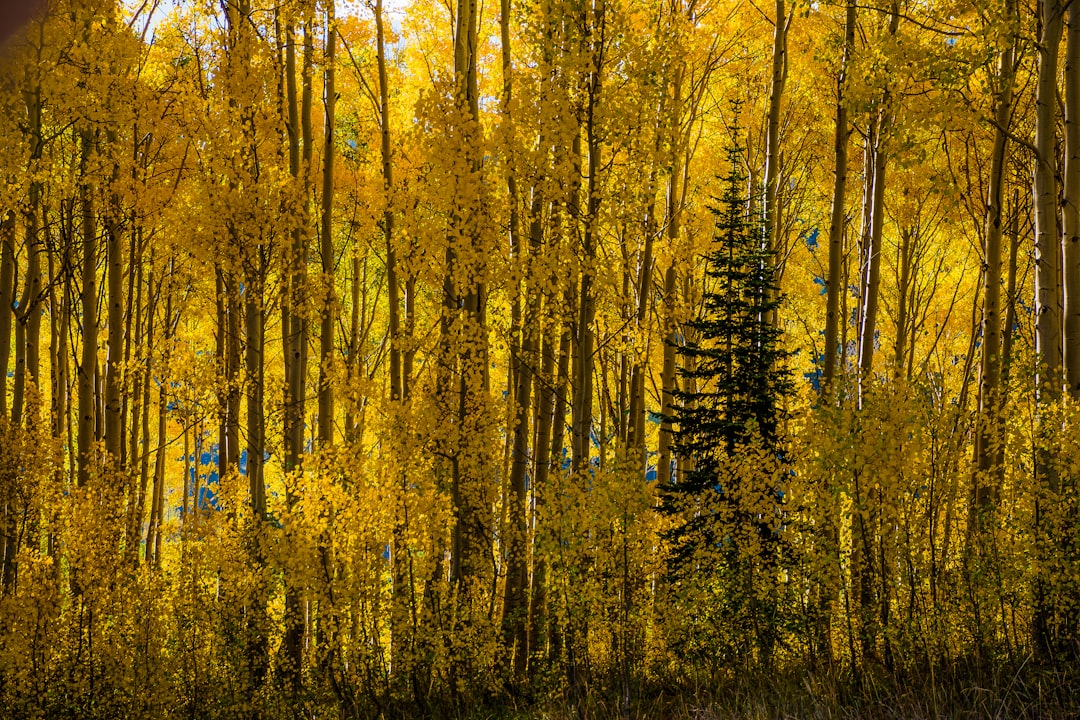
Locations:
(114, 252)
(872, 283)
(1071, 207)
(1048, 327)
(989, 387)
(868, 330)
(545, 405)
(863, 243)
(667, 377)
(903, 290)
(25, 396)
(87, 369)
(254, 326)
(295, 332)
(471, 536)
(153, 530)
(1047, 236)
(635, 421)
(357, 283)
(838, 218)
(235, 341)
(138, 498)
(559, 426)
(59, 309)
(8, 516)
(1010, 296)
(143, 457)
(771, 210)
(515, 600)
(583, 375)
(397, 384)
(7, 299)
(221, 308)
(28, 330)
(676, 195)
(132, 403)
(296, 362)
(326, 333)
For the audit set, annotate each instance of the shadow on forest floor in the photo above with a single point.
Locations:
(1027, 694)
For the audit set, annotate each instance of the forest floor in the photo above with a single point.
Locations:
(1002, 695)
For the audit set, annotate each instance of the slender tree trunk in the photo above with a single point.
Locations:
(7, 299)
(667, 377)
(326, 336)
(903, 290)
(583, 380)
(868, 330)
(138, 498)
(1047, 237)
(1048, 327)
(87, 369)
(771, 214)
(254, 323)
(143, 457)
(1071, 207)
(989, 387)
(515, 598)
(153, 531)
(296, 363)
(393, 296)
(471, 537)
(838, 218)
(114, 251)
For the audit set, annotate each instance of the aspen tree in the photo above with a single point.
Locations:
(1047, 236)
(771, 208)
(7, 292)
(515, 603)
(881, 130)
(990, 371)
(1048, 303)
(595, 41)
(87, 366)
(1070, 209)
(838, 216)
(326, 244)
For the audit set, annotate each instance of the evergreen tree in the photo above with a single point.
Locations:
(728, 411)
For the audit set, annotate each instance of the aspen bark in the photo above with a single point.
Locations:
(583, 376)
(7, 299)
(903, 290)
(771, 214)
(296, 366)
(295, 332)
(397, 382)
(153, 532)
(870, 300)
(667, 401)
(515, 601)
(114, 422)
(87, 369)
(326, 334)
(471, 533)
(667, 375)
(989, 386)
(1047, 237)
(1048, 325)
(254, 327)
(1070, 209)
(838, 218)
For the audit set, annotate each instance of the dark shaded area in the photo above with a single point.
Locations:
(14, 14)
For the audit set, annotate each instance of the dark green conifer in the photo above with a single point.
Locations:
(734, 358)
